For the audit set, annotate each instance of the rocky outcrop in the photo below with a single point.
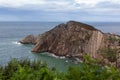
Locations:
(70, 39)
(30, 39)
(73, 39)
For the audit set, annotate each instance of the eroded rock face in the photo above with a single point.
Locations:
(70, 39)
(74, 39)
(30, 39)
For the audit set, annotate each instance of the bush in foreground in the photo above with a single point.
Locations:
(27, 70)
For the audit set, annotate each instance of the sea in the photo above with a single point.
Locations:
(12, 32)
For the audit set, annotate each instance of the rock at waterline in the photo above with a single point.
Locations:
(70, 39)
(30, 39)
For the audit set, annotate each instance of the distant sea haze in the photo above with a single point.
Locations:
(12, 32)
(107, 27)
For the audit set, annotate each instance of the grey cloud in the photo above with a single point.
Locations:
(108, 4)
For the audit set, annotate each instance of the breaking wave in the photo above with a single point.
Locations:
(53, 55)
(15, 42)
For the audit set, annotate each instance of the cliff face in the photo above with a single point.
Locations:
(95, 43)
(70, 39)
(73, 39)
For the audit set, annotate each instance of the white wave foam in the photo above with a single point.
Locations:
(15, 42)
(63, 57)
(53, 55)
(60, 57)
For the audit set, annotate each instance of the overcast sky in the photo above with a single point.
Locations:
(60, 10)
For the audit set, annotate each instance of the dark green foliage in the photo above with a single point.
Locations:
(90, 70)
(110, 54)
(113, 39)
(35, 70)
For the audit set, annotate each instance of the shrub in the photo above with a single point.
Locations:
(26, 70)
(110, 54)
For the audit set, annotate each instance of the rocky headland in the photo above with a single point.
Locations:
(74, 39)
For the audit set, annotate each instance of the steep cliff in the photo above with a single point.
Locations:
(73, 39)
(69, 39)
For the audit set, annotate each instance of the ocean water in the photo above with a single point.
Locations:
(107, 27)
(12, 32)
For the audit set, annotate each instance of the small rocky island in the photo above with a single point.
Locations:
(74, 39)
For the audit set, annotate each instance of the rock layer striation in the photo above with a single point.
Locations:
(70, 39)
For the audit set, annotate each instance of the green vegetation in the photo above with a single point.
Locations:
(27, 70)
(113, 39)
(110, 54)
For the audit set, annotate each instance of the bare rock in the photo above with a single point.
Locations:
(70, 39)
(30, 39)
